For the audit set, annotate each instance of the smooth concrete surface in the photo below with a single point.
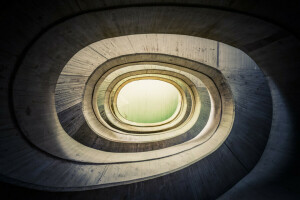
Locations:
(267, 31)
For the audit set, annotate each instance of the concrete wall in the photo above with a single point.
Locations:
(266, 31)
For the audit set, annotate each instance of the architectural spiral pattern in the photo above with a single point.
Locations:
(62, 129)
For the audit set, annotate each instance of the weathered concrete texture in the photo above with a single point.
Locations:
(271, 46)
(158, 61)
(87, 137)
(193, 182)
(71, 119)
(57, 142)
(249, 91)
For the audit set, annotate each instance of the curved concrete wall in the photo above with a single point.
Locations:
(271, 40)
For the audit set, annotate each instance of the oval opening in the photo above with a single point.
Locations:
(148, 101)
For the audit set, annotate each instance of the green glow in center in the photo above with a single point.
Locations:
(148, 101)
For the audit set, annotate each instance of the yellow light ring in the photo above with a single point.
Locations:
(171, 133)
(178, 117)
(113, 105)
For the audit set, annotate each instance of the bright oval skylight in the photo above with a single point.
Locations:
(148, 101)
